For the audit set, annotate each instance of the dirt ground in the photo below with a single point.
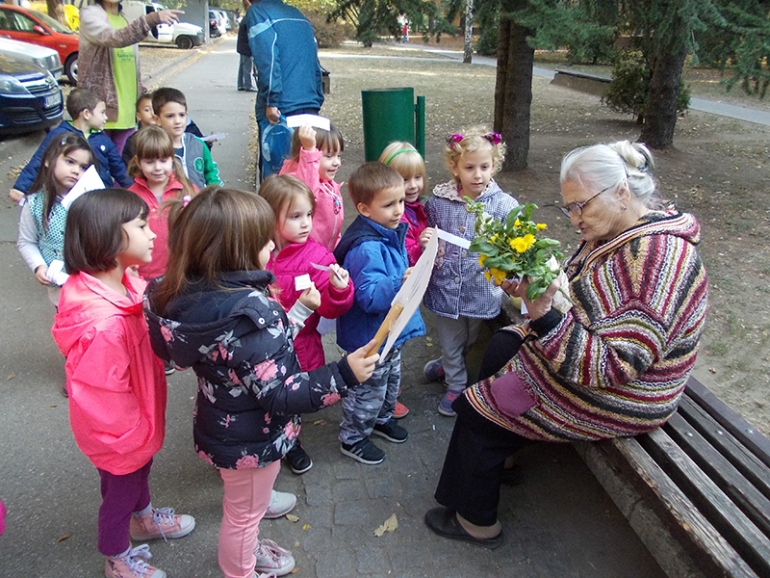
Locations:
(717, 170)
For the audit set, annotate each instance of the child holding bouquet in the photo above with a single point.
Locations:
(459, 293)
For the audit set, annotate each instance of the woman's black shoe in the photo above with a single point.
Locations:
(443, 522)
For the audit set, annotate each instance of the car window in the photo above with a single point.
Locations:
(51, 23)
(5, 23)
(22, 23)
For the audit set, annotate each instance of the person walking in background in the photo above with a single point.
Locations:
(246, 65)
(289, 79)
(108, 61)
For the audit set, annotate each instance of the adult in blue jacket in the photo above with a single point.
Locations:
(286, 56)
(108, 162)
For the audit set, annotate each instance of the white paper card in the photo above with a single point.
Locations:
(312, 119)
(217, 136)
(302, 282)
(411, 292)
(88, 181)
(56, 272)
(454, 239)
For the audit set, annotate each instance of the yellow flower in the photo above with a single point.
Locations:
(521, 244)
(517, 223)
(488, 275)
(498, 275)
(541, 226)
(493, 238)
(482, 258)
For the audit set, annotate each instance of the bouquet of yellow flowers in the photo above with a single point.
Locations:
(512, 249)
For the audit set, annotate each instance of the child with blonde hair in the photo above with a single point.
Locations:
(409, 163)
(458, 292)
(315, 159)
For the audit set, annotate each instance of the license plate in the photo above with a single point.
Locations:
(53, 100)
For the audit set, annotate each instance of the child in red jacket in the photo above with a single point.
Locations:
(159, 180)
(301, 265)
(117, 390)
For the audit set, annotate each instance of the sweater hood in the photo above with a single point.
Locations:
(209, 312)
(79, 308)
(362, 230)
(453, 192)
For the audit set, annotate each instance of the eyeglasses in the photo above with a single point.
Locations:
(576, 208)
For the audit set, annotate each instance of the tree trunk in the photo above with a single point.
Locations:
(513, 91)
(56, 11)
(660, 111)
(468, 45)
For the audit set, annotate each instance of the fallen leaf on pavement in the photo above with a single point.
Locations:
(62, 538)
(389, 526)
(292, 518)
(306, 527)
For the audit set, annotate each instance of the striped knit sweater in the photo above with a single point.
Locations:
(616, 363)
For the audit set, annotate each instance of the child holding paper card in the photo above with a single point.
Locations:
(296, 262)
(42, 220)
(315, 159)
(458, 292)
(373, 250)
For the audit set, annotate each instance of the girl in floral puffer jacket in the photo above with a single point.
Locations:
(213, 312)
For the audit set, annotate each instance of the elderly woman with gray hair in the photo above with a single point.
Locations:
(610, 360)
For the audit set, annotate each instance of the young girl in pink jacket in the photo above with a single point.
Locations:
(159, 181)
(315, 159)
(298, 258)
(117, 390)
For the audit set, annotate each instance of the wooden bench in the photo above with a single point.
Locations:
(696, 491)
(582, 81)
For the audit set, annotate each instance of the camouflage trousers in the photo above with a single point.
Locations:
(373, 401)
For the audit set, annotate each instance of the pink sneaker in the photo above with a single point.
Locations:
(132, 565)
(273, 559)
(161, 523)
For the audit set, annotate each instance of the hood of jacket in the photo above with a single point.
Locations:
(78, 308)
(208, 313)
(362, 230)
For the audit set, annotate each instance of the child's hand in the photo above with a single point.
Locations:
(406, 275)
(338, 277)
(307, 137)
(310, 297)
(425, 236)
(41, 274)
(361, 365)
(16, 195)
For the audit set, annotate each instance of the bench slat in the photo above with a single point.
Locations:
(682, 519)
(750, 500)
(731, 522)
(751, 467)
(730, 420)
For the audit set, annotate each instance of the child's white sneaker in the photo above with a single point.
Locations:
(161, 523)
(273, 559)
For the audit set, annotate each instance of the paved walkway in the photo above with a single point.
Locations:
(558, 521)
(746, 113)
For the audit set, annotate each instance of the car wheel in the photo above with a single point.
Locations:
(184, 42)
(71, 68)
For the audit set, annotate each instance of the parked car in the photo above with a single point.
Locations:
(183, 34)
(44, 57)
(30, 97)
(37, 28)
(219, 17)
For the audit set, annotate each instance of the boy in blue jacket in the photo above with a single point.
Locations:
(88, 114)
(373, 251)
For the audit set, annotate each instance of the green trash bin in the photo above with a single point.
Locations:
(389, 115)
